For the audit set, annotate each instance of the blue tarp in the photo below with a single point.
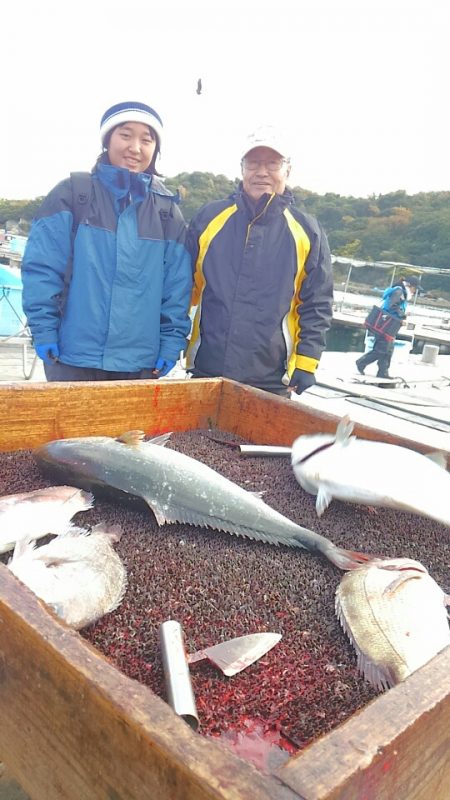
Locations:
(12, 318)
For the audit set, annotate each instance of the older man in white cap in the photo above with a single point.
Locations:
(263, 284)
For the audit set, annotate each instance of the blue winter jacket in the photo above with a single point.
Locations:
(129, 294)
(395, 301)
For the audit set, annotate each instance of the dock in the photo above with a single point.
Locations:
(415, 404)
(18, 360)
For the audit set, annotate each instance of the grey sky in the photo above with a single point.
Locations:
(361, 87)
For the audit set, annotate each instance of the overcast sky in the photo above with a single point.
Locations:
(360, 86)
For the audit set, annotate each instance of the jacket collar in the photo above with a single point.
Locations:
(123, 183)
(266, 205)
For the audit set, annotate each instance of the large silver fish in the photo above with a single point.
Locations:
(79, 574)
(32, 515)
(179, 489)
(394, 614)
(373, 473)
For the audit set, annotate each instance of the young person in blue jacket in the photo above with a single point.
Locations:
(123, 314)
(395, 301)
(263, 285)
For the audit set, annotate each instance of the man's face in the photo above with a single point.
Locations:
(264, 171)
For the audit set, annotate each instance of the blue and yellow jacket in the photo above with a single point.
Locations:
(128, 297)
(263, 290)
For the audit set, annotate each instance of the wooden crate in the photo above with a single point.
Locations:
(74, 728)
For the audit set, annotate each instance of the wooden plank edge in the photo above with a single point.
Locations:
(31, 414)
(73, 726)
(245, 411)
(397, 746)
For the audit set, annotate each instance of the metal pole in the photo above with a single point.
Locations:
(180, 694)
(346, 286)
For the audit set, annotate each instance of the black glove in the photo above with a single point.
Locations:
(301, 380)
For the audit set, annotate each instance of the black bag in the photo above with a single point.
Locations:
(383, 324)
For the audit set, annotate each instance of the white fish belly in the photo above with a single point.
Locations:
(87, 580)
(32, 515)
(375, 473)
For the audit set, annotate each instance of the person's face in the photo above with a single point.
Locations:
(264, 171)
(132, 146)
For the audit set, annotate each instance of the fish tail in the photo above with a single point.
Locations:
(344, 559)
(347, 559)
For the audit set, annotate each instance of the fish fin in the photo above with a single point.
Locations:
(73, 530)
(446, 599)
(378, 675)
(162, 517)
(324, 499)
(136, 438)
(22, 546)
(258, 494)
(374, 674)
(344, 431)
(121, 591)
(131, 438)
(88, 499)
(114, 532)
(84, 500)
(438, 457)
(171, 514)
(160, 440)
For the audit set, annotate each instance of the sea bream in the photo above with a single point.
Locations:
(394, 614)
(180, 489)
(79, 575)
(372, 473)
(32, 515)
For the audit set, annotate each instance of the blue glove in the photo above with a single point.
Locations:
(163, 366)
(301, 380)
(48, 352)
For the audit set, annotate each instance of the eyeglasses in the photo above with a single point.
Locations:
(272, 166)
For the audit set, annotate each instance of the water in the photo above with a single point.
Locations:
(345, 339)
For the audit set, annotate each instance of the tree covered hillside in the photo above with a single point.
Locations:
(390, 227)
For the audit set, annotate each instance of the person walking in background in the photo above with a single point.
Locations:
(106, 284)
(263, 285)
(395, 301)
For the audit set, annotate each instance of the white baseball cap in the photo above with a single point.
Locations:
(267, 136)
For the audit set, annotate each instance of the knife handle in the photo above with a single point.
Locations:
(176, 672)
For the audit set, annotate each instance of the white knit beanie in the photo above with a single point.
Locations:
(130, 112)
